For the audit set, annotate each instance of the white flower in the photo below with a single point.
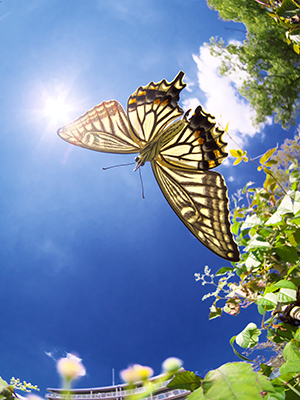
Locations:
(136, 373)
(70, 367)
(172, 364)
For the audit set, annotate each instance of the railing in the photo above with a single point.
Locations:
(120, 394)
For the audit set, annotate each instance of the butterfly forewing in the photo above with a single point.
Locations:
(151, 108)
(199, 198)
(198, 146)
(103, 128)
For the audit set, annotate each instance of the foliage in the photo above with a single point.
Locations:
(287, 14)
(266, 221)
(231, 381)
(268, 67)
(7, 390)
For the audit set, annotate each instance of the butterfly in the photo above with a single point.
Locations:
(181, 151)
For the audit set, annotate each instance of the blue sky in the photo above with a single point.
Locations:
(87, 265)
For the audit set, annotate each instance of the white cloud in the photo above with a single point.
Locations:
(50, 354)
(189, 84)
(223, 100)
(190, 103)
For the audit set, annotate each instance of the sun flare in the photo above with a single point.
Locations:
(56, 109)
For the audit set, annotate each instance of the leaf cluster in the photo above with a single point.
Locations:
(267, 66)
(287, 14)
(266, 222)
(7, 390)
(231, 381)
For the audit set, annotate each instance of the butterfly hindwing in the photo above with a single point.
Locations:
(151, 108)
(199, 198)
(103, 128)
(199, 145)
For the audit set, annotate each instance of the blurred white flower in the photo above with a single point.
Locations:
(136, 373)
(172, 364)
(70, 367)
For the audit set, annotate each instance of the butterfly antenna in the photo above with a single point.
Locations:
(142, 184)
(119, 165)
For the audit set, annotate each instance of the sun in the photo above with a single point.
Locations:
(56, 109)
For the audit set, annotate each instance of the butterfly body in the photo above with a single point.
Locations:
(181, 152)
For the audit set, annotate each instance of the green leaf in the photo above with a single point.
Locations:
(286, 295)
(284, 6)
(3, 383)
(246, 186)
(266, 369)
(269, 301)
(223, 270)
(291, 353)
(233, 381)
(290, 369)
(296, 235)
(292, 269)
(292, 240)
(270, 163)
(287, 253)
(279, 394)
(267, 155)
(248, 337)
(235, 228)
(186, 380)
(6, 390)
(296, 221)
(215, 312)
(265, 232)
(284, 284)
(281, 336)
(261, 309)
(297, 335)
(239, 355)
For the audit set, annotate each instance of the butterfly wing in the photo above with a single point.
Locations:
(199, 145)
(199, 198)
(151, 108)
(103, 128)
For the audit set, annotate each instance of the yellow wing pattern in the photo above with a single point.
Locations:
(199, 198)
(150, 108)
(104, 128)
(181, 154)
(198, 145)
